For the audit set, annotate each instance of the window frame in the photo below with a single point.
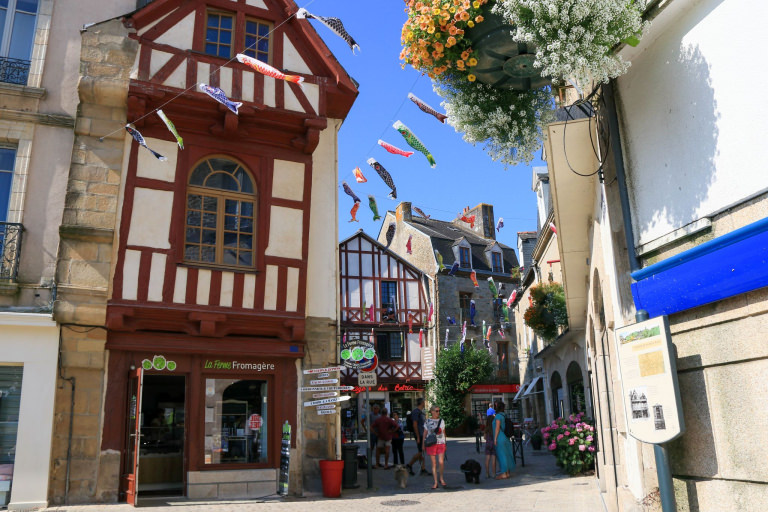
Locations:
(223, 195)
(384, 304)
(385, 356)
(462, 251)
(218, 12)
(494, 256)
(7, 37)
(464, 300)
(4, 216)
(270, 25)
(238, 40)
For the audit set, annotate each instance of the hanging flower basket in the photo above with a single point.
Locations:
(501, 61)
(547, 312)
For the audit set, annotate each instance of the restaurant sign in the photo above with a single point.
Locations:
(358, 354)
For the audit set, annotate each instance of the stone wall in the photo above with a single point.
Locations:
(84, 267)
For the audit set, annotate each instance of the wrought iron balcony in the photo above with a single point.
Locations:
(14, 71)
(10, 250)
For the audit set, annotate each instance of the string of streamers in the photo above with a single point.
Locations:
(266, 69)
(219, 95)
(348, 191)
(171, 128)
(374, 208)
(353, 212)
(382, 172)
(359, 175)
(334, 24)
(194, 86)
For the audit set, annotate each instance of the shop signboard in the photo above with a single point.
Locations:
(323, 370)
(323, 381)
(649, 380)
(322, 401)
(358, 354)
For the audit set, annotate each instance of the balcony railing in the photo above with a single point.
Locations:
(10, 250)
(14, 71)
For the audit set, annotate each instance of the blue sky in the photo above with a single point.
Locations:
(464, 175)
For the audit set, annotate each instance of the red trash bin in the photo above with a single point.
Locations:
(331, 472)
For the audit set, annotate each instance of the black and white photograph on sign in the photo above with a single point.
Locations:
(639, 401)
(658, 417)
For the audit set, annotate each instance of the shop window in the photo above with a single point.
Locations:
(221, 205)
(257, 43)
(10, 403)
(389, 300)
(496, 262)
(17, 23)
(464, 261)
(218, 34)
(389, 346)
(236, 421)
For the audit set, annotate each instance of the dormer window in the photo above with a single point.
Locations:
(496, 264)
(464, 261)
(224, 36)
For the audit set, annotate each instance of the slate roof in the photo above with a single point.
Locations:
(445, 235)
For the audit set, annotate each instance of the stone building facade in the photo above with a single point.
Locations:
(200, 352)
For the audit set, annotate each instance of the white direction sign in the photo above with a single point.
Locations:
(324, 395)
(327, 388)
(325, 412)
(324, 375)
(327, 401)
(367, 379)
(324, 381)
(327, 406)
(323, 370)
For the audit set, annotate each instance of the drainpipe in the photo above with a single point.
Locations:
(73, 384)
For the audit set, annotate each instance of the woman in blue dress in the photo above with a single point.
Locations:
(503, 446)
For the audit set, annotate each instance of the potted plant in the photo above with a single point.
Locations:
(573, 443)
(547, 312)
(536, 440)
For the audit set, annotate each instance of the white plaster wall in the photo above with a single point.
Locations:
(288, 180)
(286, 226)
(180, 35)
(292, 60)
(151, 218)
(147, 166)
(322, 264)
(32, 340)
(693, 128)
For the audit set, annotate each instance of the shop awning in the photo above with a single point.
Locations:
(531, 386)
(519, 392)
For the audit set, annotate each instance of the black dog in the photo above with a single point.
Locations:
(472, 470)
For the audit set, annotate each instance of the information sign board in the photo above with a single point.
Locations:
(367, 379)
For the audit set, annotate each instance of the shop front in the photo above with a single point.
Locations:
(202, 425)
(482, 395)
(399, 398)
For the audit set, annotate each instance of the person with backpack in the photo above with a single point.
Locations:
(504, 454)
(415, 424)
(397, 441)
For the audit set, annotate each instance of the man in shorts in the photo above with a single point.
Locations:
(385, 428)
(417, 415)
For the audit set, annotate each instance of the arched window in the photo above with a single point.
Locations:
(221, 209)
(575, 387)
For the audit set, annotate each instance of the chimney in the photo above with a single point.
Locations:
(403, 211)
(485, 225)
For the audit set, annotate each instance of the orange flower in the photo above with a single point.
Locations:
(450, 42)
(471, 77)
(465, 55)
(453, 30)
(479, 18)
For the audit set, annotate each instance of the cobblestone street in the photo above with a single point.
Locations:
(539, 486)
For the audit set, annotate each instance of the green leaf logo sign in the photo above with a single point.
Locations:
(158, 363)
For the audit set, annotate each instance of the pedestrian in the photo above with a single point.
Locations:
(417, 420)
(372, 417)
(490, 445)
(398, 457)
(503, 445)
(434, 425)
(385, 429)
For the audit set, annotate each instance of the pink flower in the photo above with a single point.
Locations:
(559, 437)
(591, 448)
(572, 441)
(553, 446)
(567, 433)
(582, 447)
(590, 439)
(546, 435)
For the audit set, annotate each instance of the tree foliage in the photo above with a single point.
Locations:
(454, 373)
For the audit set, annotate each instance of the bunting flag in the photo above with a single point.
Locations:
(418, 210)
(394, 149)
(500, 224)
(446, 338)
(353, 212)
(464, 331)
(371, 313)
(469, 220)
(266, 69)
(552, 227)
(512, 298)
(138, 137)
(505, 309)
(426, 108)
(348, 191)
(501, 333)
(492, 286)
(218, 95)
(462, 345)
(359, 175)
(384, 176)
(408, 245)
(488, 334)
(473, 277)
(421, 337)
(171, 128)
(373, 207)
(472, 312)
(439, 257)
(390, 233)
(414, 142)
(451, 320)
(431, 310)
(483, 328)
(454, 268)
(335, 24)
(410, 324)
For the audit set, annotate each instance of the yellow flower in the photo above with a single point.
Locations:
(470, 23)
(452, 10)
(471, 78)
(431, 30)
(436, 12)
(472, 62)
(476, 4)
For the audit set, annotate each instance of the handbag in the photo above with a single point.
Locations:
(431, 438)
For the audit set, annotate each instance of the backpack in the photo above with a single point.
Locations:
(409, 422)
(509, 429)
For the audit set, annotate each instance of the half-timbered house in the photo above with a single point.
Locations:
(223, 257)
(384, 301)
